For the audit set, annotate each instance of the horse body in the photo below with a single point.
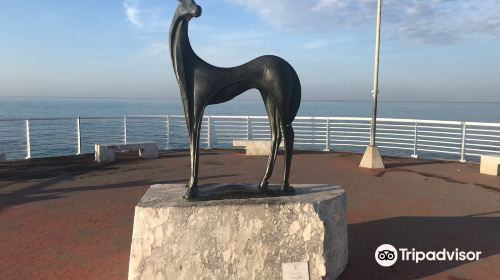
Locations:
(202, 84)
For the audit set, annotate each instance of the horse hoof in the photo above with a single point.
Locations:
(191, 194)
(263, 186)
(288, 190)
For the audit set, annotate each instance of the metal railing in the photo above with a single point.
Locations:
(43, 137)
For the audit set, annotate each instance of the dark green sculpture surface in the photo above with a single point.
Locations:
(202, 84)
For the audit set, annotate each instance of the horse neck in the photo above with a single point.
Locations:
(181, 51)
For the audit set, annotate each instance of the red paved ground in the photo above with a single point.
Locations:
(69, 218)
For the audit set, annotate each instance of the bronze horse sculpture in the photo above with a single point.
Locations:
(202, 84)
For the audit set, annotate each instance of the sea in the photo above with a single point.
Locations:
(53, 138)
(47, 107)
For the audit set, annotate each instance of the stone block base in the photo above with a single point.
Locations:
(255, 147)
(234, 232)
(106, 152)
(490, 165)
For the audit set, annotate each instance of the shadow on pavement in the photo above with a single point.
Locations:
(469, 233)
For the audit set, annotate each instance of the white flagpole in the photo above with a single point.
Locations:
(372, 158)
(375, 76)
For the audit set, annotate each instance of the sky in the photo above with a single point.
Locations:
(432, 50)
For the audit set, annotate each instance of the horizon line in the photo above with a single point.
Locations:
(248, 99)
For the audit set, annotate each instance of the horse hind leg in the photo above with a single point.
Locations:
(192, 188)
(289, 136)
(276, 141)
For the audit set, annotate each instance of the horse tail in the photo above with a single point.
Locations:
(296, 96)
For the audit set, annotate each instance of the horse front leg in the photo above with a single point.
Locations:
(194, 146)
(276, 140)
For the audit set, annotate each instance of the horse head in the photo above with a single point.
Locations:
(188, 9)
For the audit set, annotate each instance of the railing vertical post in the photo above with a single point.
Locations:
(415, 141)
(248, 127)
(125, 129)
(327, 142)
(464, 136)
(79, 136)
(28, 140)
(168, 132)
(209, 132)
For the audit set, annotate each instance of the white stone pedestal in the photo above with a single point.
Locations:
(234, 232)
(490, 165)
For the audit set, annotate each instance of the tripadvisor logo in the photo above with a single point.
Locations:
(387, 255)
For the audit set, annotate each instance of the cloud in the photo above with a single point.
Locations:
(427, 21)
(148, 16)
(133, 13)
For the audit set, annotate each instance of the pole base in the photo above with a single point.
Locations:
(372, 159)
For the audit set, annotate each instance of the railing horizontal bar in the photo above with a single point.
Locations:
(483, 150)
(259, 125)
(102, 118)
(392, 129)
(483, 140)
(419, 121)
(309, 126)
(483, 130)
(323, 135)
(353, 145)
(396, 125)
(146, 117)
(354, 141)
(229, 129)
(483, 135)
(350, 119)
(396, 134)
(393, 147)
(440, 151)
(349, 136)
(439, 132)
(229, 132)
(439, 127)
(482, 145)
(349, 132)
(344, 123)
(350, 128)
(440, 147)
(438, 137)
(395, 138)
(312, 132)
(227, 123)
(215, 117)
(482, 124)
(312, 118)
(443, 142)
(395, 143)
